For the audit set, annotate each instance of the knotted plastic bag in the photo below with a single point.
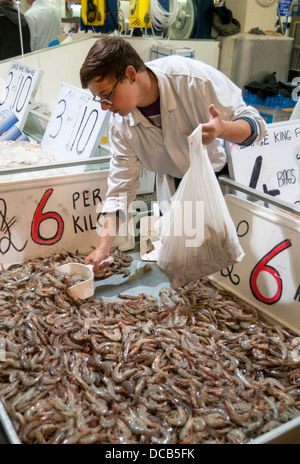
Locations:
(197, 233)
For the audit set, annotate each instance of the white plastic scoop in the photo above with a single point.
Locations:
(84, 289)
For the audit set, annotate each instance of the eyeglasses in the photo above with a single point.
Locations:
(107, 99)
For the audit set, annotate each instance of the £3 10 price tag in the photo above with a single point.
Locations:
(76, 125)
(19, 90)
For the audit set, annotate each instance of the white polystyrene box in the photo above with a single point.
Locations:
(159, 51)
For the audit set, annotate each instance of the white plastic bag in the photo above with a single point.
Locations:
(197, 233)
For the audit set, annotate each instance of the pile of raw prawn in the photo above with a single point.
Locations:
(192, 366)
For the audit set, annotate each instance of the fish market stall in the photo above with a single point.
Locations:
(138, 362)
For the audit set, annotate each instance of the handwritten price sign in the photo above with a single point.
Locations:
(60, 214)
(268, 277)
(272, 165)
(19, 90)
(76, 125)
(40, 215)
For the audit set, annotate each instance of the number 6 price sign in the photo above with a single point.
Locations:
(76, 125)
(19, 90)
(268, 277)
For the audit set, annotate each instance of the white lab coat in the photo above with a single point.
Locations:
(44, 22)
(187, 87)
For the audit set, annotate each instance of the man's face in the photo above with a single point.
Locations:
(117, 95)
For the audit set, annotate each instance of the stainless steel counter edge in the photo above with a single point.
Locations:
(280, 435)
(8, 427)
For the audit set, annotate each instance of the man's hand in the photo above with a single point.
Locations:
(236, 131)
(106, 239)
(97, 260)
(212, 129)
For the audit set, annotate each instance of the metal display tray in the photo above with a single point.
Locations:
(151, 283)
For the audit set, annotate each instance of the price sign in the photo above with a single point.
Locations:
(41, 217)
(272, 165)
(268, 277)
(76, 125)
(284, 6)
(19, 90)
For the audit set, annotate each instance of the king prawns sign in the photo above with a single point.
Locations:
(268, 277)
(272, 165)
(39, 218)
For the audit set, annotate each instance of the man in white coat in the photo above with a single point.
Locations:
(44, 22)
(155, 106)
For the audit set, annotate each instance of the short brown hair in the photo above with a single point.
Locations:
(109, 57)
